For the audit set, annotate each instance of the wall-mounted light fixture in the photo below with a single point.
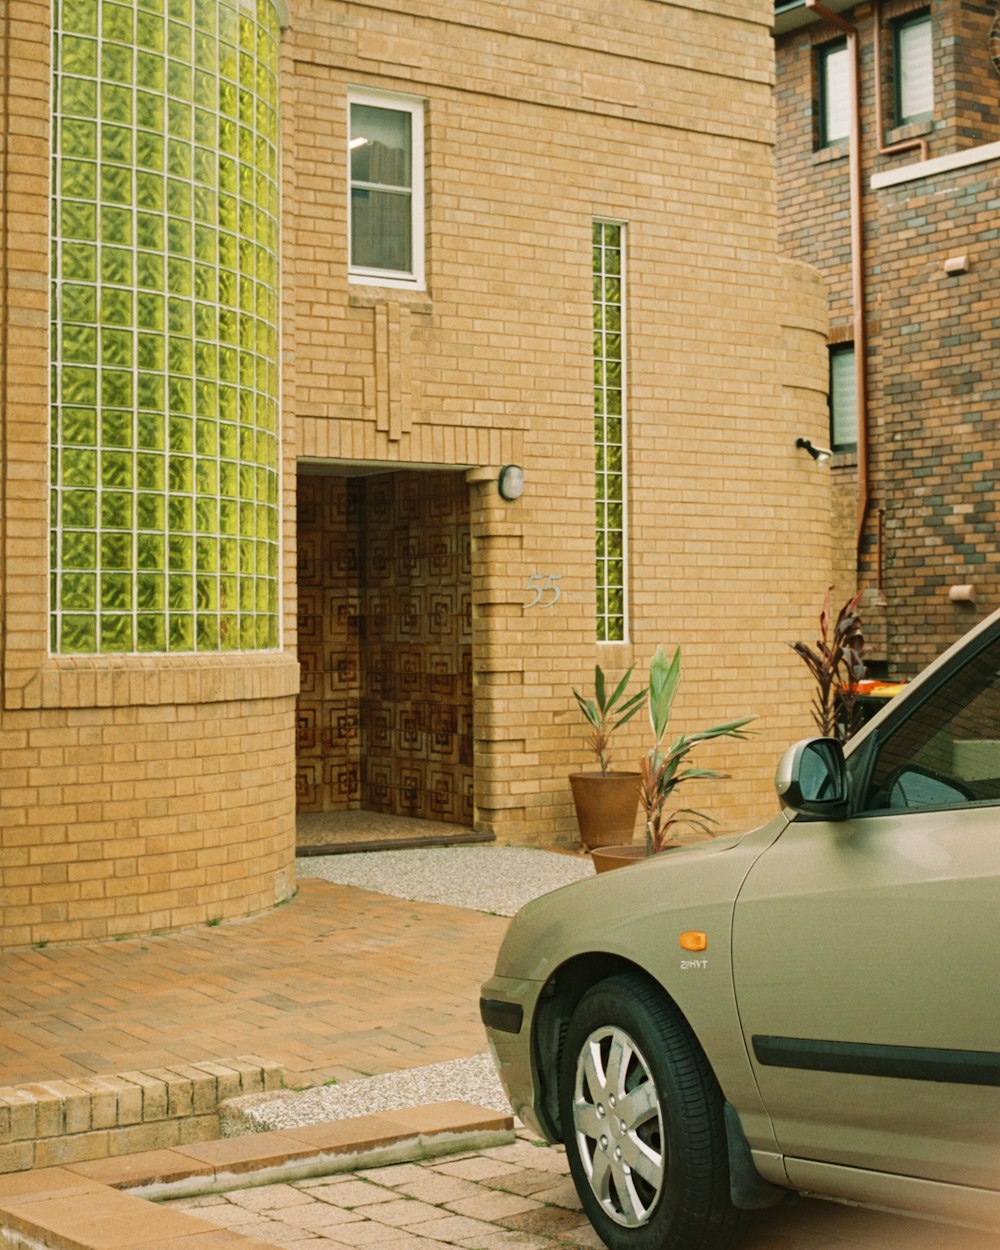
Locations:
(820, 454)
(510, 483)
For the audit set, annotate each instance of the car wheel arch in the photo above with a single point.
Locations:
(564, 989)
(559, 998)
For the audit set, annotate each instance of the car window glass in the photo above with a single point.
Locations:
(947, 752)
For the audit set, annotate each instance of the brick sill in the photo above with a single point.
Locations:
(121, 681)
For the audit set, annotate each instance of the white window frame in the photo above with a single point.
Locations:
(412, 279)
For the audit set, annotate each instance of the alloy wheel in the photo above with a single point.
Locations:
(618, 1123)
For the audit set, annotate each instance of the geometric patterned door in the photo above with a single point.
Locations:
(385, 645)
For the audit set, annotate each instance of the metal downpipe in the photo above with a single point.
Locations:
(857, 260)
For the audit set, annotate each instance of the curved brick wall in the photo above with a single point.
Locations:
(147, 744)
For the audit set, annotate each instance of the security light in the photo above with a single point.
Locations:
(820, 454)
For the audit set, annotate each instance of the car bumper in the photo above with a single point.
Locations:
(507, 1006)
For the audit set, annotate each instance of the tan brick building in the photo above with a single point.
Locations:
(916, 318)
(247, 576)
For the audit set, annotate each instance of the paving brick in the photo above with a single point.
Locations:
(100, 1221)
(149, 1167)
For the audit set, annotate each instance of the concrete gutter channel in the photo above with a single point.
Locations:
(104, 1203)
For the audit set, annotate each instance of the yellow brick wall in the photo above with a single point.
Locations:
(140, 794)
(540, 117)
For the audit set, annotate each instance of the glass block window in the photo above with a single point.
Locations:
(609, 427)
(164, 316)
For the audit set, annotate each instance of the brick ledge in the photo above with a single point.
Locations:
(50, 1123)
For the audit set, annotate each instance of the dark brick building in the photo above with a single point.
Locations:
(905, 230)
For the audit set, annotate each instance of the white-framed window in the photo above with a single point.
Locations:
(834, 73)
(843, 399)
(386, 201)
(914, 66)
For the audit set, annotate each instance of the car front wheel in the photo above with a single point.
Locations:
(643, 1123)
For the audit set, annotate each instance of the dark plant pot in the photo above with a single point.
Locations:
(606, 807)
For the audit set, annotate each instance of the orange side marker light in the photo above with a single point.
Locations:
(694, 940)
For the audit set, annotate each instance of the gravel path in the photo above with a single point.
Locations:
(494, 879)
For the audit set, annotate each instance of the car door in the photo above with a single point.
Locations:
(867, 951)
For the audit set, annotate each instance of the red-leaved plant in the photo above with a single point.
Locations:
(837, 666)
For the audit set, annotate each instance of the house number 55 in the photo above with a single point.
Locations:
(544, 584)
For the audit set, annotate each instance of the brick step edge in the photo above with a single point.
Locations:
(48, 1123)
(84, 1206)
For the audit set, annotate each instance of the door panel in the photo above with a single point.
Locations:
(882, 935)
(867, 951)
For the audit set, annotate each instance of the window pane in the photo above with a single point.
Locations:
(381, 230)
(915, 67)
(386, 191)
(835, 89)
(843, 400)
(381, 146)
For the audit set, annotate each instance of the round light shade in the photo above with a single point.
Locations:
(511, 482)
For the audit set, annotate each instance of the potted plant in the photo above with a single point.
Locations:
(837, 666)
(606, 801)
(662, 768)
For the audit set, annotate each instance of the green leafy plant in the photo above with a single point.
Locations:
(837, 665)
(607, 713)
(662, 768)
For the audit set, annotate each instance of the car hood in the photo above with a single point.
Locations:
(620, 911)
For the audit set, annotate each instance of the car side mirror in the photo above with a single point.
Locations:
(812, 779)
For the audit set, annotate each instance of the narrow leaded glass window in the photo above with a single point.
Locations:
(164, 312)
(609, 426)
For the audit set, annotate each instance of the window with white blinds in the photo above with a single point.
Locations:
(843, 399)
(914, 64)
(833, 67)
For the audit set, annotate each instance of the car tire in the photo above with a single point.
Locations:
(642, 1118)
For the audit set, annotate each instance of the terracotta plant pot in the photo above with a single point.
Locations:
(607, 857)
(606, 807)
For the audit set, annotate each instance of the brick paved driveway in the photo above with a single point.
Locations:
(338, 983)
(516, 1197)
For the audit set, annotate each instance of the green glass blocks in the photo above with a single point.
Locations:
(165, 500)
(609, 427)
